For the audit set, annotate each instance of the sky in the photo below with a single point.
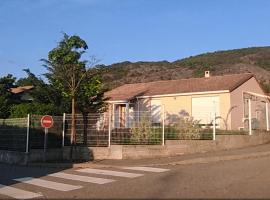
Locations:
(128, 30)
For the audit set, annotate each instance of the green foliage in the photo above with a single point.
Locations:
(266, 87)
(220, 57)
(220, 62)
(188, 128)
(68, 74)
(65, 68)
(144, 132)
(21, 110)
(6, 99)
(42, 92)
(90, 94)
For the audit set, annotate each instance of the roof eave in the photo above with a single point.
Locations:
(185, 94)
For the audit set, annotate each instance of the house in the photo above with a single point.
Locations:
(22, 92)
(201, 98)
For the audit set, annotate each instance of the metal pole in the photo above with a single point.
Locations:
(112, 113)
(127, 115)
(138, 112)
(163, 125)
(45, 140)
(63, 131)
(27, 134)
(267, 116)
(214, 127)
(109, 138)
(249, 117)
(45, 144)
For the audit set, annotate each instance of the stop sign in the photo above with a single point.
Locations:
(46, 121)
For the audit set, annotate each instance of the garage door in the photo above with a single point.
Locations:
(203, 108)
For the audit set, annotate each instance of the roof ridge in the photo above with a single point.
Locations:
(246, 73)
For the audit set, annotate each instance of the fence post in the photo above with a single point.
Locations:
(214, 127)
(27, 133)
(109, 132)
(267, 116)
(63, 131)
(127, 116)
(249, 117)
(163, 125)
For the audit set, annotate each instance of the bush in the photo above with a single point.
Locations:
(188, 128)
(144, 132)
(21, 110)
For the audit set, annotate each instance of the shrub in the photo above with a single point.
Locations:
(144, 132)
(188, 128)
(21, 110)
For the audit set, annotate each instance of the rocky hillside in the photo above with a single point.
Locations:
(255, 60)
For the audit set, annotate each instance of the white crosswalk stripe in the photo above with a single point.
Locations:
(109, 172)
(147, 169)
(81, 178)
(48, 184)
(17, 193)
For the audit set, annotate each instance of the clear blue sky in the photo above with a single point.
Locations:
(133, 30)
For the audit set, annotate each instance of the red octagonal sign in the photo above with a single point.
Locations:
(46, 121)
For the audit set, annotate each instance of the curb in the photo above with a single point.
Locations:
(199, 160)
(65, 165)
(214, 159)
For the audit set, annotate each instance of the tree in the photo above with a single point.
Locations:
(43, 94)
(67, 71)
(6, 99)
(90, 98)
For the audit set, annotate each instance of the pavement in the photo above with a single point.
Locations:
(207, 157)
(233, 174)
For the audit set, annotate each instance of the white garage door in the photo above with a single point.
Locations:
(203, 108)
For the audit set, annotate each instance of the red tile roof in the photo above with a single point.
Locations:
(21, 89)
(213, 83)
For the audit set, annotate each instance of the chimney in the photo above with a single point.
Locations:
(207, 74)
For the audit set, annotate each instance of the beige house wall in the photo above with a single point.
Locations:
(237, 102)
(176, 106)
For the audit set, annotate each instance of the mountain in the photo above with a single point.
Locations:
(255, 60)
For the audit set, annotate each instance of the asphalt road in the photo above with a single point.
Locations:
(246, 178)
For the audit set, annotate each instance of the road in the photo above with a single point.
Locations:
(246, 178)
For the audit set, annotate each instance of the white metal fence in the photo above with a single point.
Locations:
(106, 129)
(138, 128)
(13, 134)
(24, 134)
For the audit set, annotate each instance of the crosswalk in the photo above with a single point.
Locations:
(48, 184)
(85, 175)
(86, 179)
(17, 193)
(110, 173)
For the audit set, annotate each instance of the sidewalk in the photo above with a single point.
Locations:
(232, 154)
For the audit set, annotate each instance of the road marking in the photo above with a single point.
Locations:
(82, 178)
(109, 172)
(48, 184)
(147, 169)
(17, 193)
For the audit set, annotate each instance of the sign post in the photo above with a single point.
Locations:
(46, 122)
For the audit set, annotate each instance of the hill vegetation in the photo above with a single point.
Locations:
(255, 60)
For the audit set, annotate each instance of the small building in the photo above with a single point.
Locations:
(22, 92)
(199, 98)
